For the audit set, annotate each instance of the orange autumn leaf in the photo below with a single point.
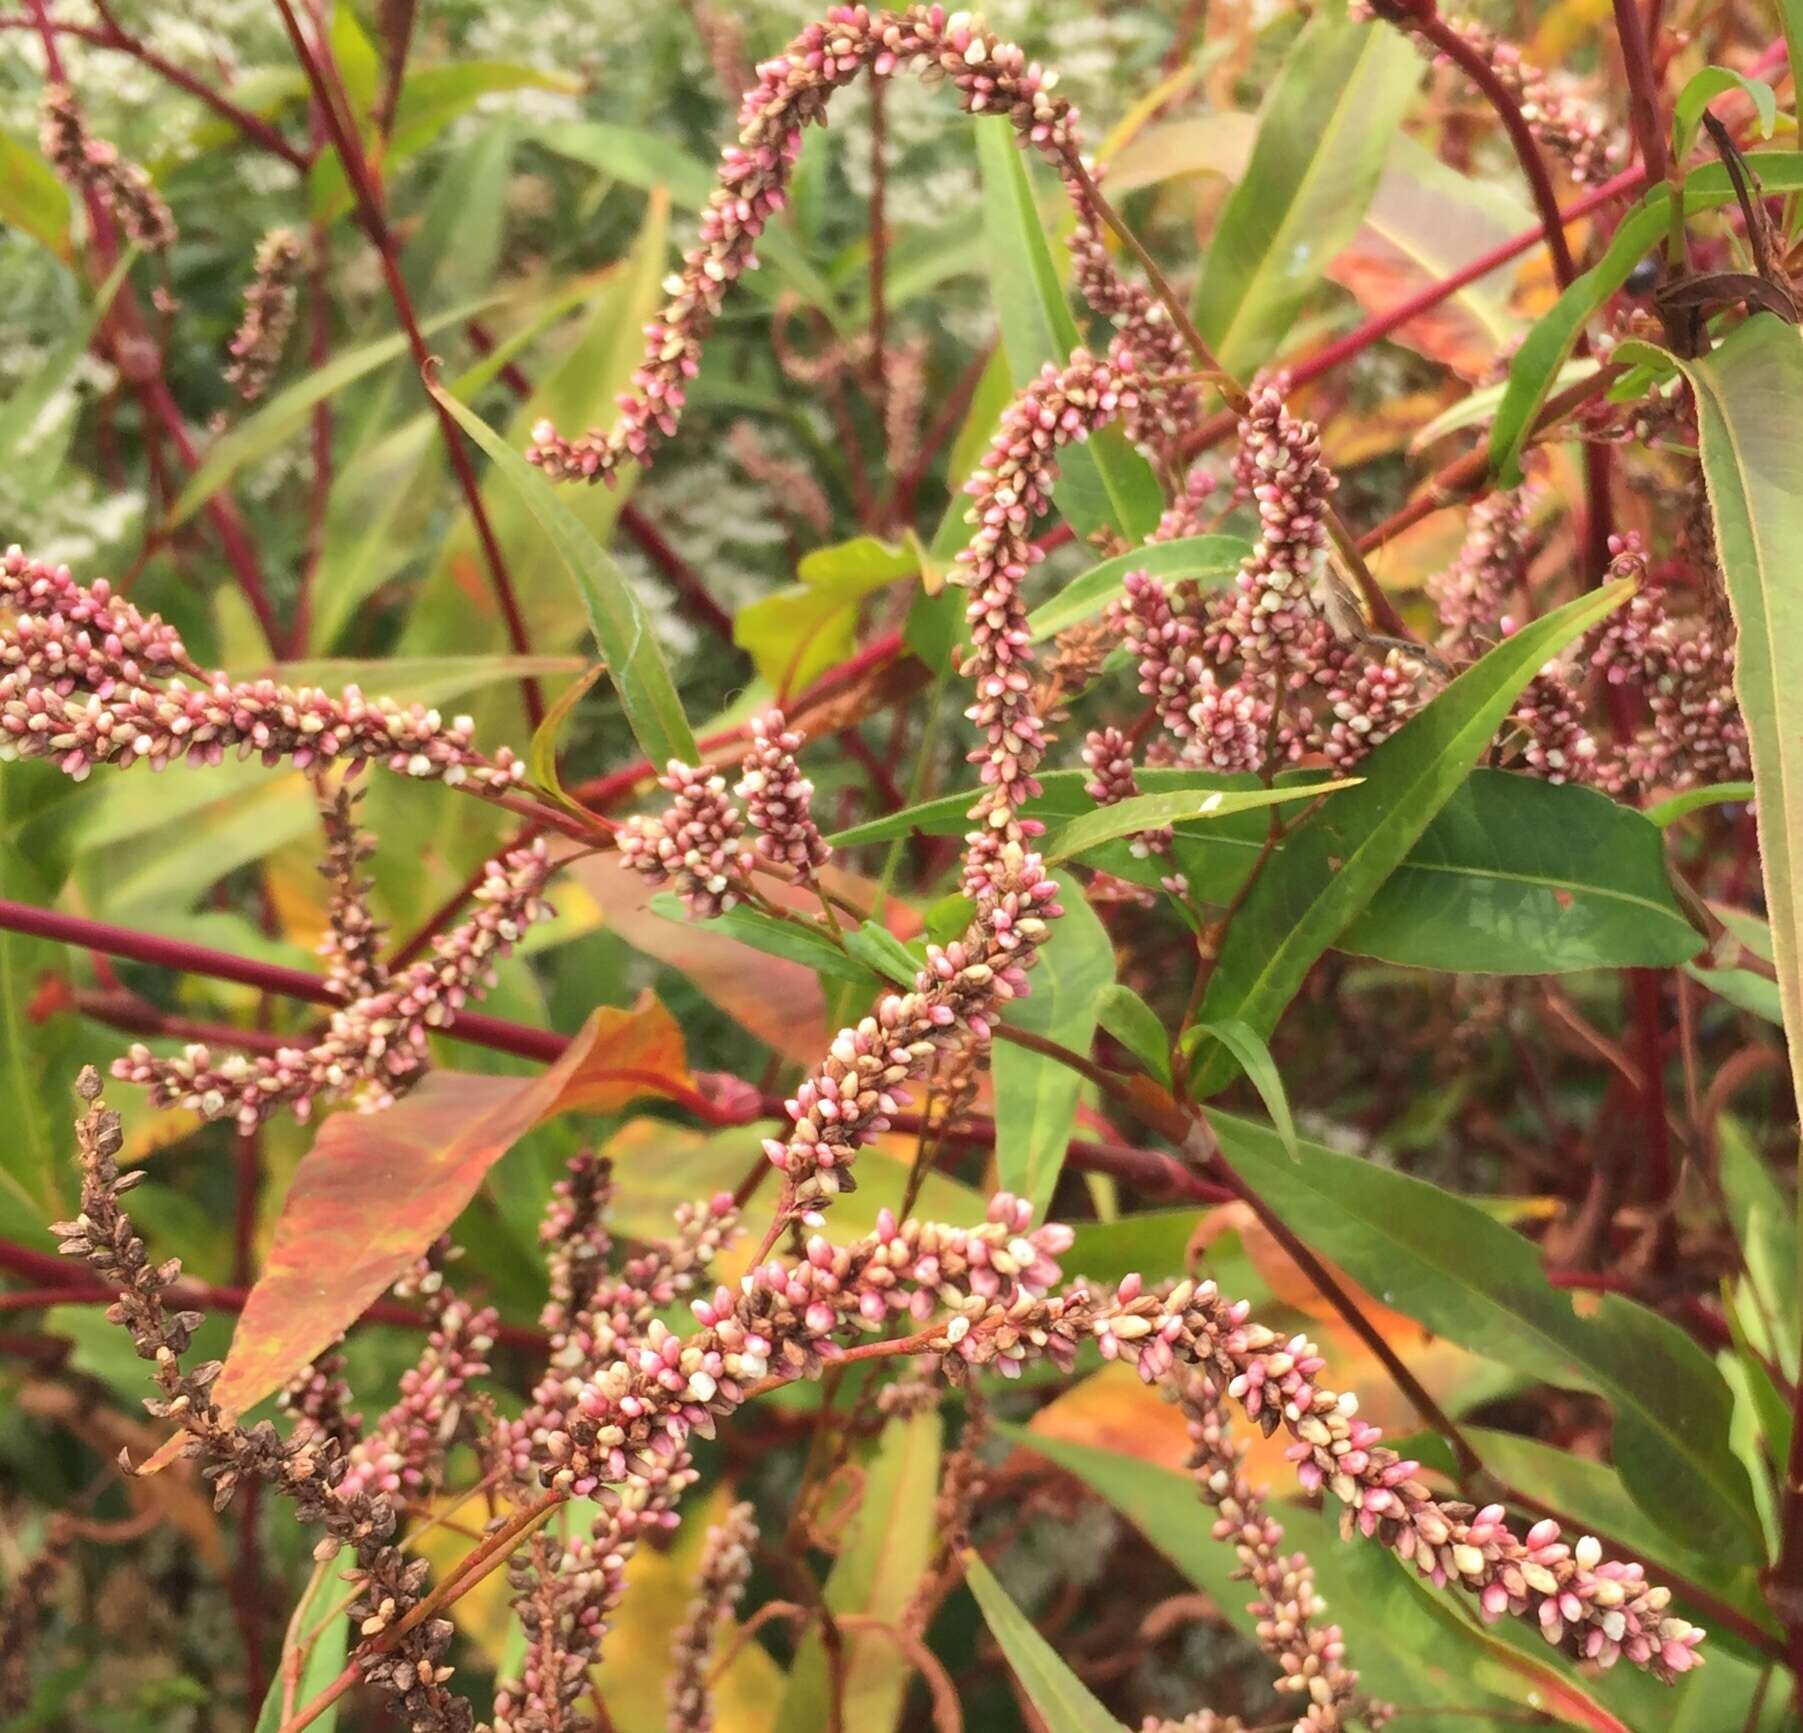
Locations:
(778, 1001)
(376, 1189)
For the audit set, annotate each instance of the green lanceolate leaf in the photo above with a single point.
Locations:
(1133, 1023)
(286, 413)
(622, 629)
(1153, 811)
(323, 1662)
(541, 755)
(1333, 863)
(1679, 806)
(1514, 875)
(1104, 483)
(1545, 349)
(1703, 88)
(1469, 1278)
(1062, 1699)
(1749, 394)
(32, 199)
(1210, 559)
(1254, 1056)
(880, 951)
(789, 939)
(879, 1568)
(21, 413)
(1036, 1096)
(1323, 134)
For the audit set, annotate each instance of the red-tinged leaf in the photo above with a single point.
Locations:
(376, 1189)
(1425, 222)
(778, 1001)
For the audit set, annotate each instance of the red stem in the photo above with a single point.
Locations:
(110, 36)
(1643, 90)
(1463, 55)
(676, 572)
(64, 1285)
(356, 167)
(153, 391)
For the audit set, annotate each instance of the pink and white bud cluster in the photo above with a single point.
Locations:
(1684, 667)
(847, 1099)
(269, 302)
(80, 637)
(1560, 123)
(694, 844)
(1185, 515)
(575, 1239)
(635, 1416)
(1596, 1610)
(1367, 700)
(1143, 327)
(1558, 745)
(94, 167)
(1472, 594)
(1224, 727)
(564, 1592)
(1309, 1654)
(374, 1046)
(76, 685)
(1278, 465)
(352, 946)
(403, 1454)
(779, 799)
(725, 1569)
(1108, 754)
(792, 91)
(1011, 489)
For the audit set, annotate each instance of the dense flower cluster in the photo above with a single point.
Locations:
(564, 1591)
(779, 800)
(847, 1099)
(76, 684)
(725, 1568)
(1560, 123)
(1472, 595)
(1012, 489)
(1108, 756)
(1684, 668)
(308, 1468)
(793, 90)
(1308, 1653)
(374, 1046)
(120, 187)
(695, 843)
(269, 302)
(403, 1453)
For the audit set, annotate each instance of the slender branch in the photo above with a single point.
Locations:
(1643, 91)
(153, 389)
(356, 168)
(110, 36)
(1470, 1462)
(1434, 29)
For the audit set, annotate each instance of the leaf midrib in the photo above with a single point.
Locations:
(1385, 828)
(1251, 299)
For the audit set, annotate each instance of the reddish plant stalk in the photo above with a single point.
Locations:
(153, 391)
(1643, 91)
(1434, 29)
(110, 36)
(363, 187)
